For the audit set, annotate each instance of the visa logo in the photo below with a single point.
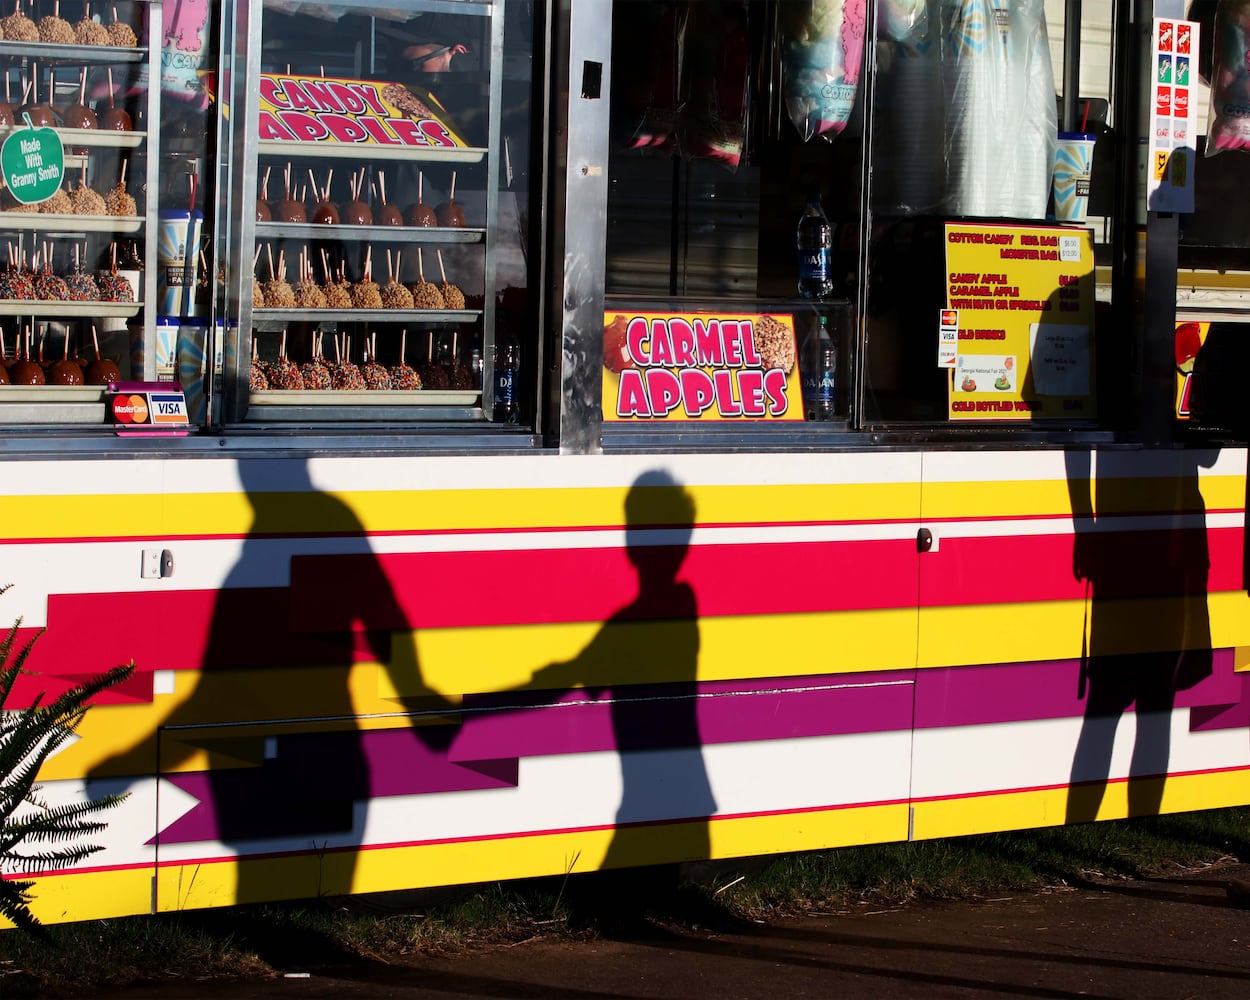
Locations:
(169, 408)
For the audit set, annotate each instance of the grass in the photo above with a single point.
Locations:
(248, 942)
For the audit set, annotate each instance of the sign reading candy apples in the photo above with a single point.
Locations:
(330, 110)
(699, 366)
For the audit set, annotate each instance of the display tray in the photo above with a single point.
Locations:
(74, 55)
(51, 393)
(101, 138)
(365, 315)
(56, 223)
(289, 148)
(69, 310)
(378, 234)
(365, 397)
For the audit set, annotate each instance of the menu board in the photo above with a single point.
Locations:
(699, 366)
(297, 108)
(1023, 299)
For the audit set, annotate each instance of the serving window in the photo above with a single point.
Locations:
(964, 154)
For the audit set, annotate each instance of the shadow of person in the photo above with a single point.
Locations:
(655, 730)
(1148, 632)
(265, 763)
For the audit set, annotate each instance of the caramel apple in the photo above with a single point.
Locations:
(41, 115)
(26, 372)
(449, 212)
(262, 211)
(420, 214)
(388, 214)
(288, 208)
(78, 115)
(116, 120)
(356, 212)
(325, 212)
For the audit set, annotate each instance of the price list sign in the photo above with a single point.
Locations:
(1174, 116)
(1024, 329)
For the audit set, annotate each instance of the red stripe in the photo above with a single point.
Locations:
(448, 589)
(1136, 564)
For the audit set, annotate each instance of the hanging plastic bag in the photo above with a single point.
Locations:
(714, 82)
(824, 51)
(1001, 122)
(1228, 125)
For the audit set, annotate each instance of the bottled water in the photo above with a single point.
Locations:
(818, 361)
(815, 246)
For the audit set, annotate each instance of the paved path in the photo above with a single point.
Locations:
(1171, 938)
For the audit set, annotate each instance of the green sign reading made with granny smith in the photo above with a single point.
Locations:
(33, 161)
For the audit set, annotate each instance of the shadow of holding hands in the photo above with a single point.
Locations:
(655, 729)
(266, 754)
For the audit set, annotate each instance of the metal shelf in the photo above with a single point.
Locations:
(361, 234)
(47, 53)
(276, 317)
(292, 148)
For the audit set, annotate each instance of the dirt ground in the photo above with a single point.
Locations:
(1173, 937)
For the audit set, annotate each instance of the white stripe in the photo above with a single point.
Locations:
(962, 760)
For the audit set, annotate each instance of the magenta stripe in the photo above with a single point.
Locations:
(1047, 689)
(676, 715)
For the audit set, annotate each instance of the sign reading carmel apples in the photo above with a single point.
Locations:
(33, 161)
(1025, 301)
(325, 109)
(699, 366)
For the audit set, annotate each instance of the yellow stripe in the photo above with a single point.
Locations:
(1006, 498)
(1029, 809)
(61, 899)
(1009, 498)
(1000, 633)
(223, 514)
(225, 883)
(506, 657)
(1053, 630)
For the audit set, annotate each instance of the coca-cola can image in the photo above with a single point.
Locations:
(1180, 101)
(1163, 101)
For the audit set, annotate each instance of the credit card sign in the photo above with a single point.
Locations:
(146, 407)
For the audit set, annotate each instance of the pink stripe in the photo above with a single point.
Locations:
(639, 717)
(458, 589)
(1002, 569)
(1047, 689)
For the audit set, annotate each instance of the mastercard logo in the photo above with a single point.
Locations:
(130, 410)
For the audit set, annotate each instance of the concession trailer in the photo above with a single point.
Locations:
(422, 398)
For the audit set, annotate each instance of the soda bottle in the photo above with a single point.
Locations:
(507, 362)
(818, 363)
(815, 247)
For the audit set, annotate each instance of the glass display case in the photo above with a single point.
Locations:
(77, 221)
(373, 229)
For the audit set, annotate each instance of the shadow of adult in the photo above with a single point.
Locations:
(267, 747)
(1140, 547)
(655, 729)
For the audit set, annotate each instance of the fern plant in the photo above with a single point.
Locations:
(35, 836)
